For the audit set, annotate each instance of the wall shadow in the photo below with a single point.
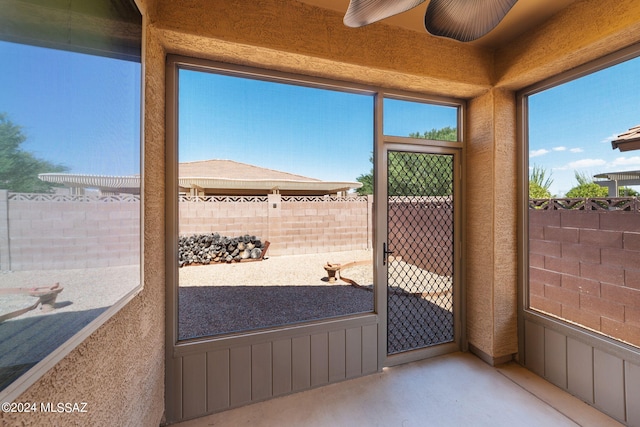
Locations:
(414, 322)
(24, 341)
(215, 310)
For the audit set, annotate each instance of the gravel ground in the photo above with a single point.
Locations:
(28, 338)
(292, 270)
(84, 289)
(214, 299)
(226, 298)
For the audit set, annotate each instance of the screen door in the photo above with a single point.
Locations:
(419, 250)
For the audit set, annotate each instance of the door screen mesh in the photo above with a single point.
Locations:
(420, 257)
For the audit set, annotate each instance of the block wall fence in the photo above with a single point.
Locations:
(584, 264)
(423, 232)
(585, 268)
(292, 224)
(314, 224)
(47, 231)
(50, 231)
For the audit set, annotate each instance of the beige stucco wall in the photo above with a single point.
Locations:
(317, 43)
(583, 32)
(490, 229)
(119, 369)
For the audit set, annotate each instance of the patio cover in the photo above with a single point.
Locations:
(105, 183)
(613, 180)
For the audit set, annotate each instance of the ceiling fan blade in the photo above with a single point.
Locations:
(465, 20)
(364, 12)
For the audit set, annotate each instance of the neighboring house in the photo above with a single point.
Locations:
(627, 141)
(227, 177)
(211, 177)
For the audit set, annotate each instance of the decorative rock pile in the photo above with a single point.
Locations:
(209, 248)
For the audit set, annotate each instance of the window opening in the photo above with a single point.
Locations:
(584, 217)
(420, 120)
(69, 179)
(275, 216)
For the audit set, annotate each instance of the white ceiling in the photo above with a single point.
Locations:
(525, 15)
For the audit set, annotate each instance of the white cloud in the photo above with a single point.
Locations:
(561, 168)
(610, 138)
(536, 153)
(586, 163)
(576, 150)
(559, 148)
(626, 161)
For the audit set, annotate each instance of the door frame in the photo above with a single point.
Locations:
(384, 144)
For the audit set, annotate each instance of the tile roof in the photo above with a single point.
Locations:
(214, 177)
(627, 141)
(229, 169)
(632, 133)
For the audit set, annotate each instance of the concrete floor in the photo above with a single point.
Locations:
(453, 390)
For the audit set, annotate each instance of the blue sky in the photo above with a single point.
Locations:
(318, 133)
(83, 112)
(572, 125)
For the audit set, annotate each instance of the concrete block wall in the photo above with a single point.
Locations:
(62, 233)
(51, 232)
(585, 268)
(292, 225)
(322, 226)
(229, 218)
(423, 232)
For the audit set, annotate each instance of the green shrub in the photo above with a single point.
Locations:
(538, 192)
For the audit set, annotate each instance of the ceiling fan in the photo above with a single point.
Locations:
(463, 20)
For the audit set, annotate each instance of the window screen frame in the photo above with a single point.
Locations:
(130, 52)
(525, 313)
(174, 62)
(433, 101)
